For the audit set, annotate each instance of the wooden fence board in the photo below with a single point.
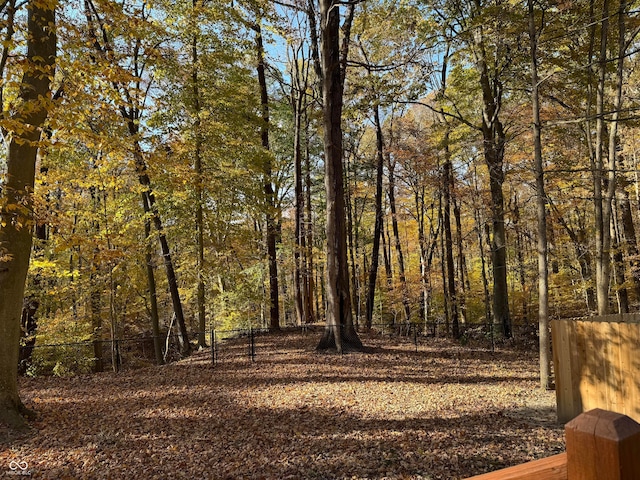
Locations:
(597, 365)
(562, 369)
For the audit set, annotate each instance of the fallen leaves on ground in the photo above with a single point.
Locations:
(441, 412)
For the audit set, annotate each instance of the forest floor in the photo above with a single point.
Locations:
(441, 412)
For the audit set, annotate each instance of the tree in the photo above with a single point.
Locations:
(23, 135)
(481, 31)
(131, 92)
(339, 332)
(271, 226)
(541, 201)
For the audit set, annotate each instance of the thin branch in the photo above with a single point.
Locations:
(455, 116)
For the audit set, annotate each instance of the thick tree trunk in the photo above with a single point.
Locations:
(494, 141)
(17, 202)
(95, 290)
(339, 332)
(377, 229)
(501, 314)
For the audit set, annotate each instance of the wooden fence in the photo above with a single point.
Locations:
(597, 365)
(601, 445)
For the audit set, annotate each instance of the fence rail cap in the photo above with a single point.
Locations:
(605, 424)
(612, 318)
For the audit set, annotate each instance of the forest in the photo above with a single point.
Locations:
(189, 166)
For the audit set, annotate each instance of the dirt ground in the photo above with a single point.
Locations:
(438, 411)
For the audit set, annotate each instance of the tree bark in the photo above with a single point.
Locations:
(17, 203)
(493, 147)
(272, 230)
(462, 263)
(544, 345)
(377, 229)
(447, 186)
(298, 93)
(153, 296)
(602, 200)
(339, 332)
(310, 283)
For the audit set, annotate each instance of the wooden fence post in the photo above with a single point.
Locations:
(603, 445)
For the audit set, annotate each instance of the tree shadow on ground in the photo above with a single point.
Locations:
(277, 419)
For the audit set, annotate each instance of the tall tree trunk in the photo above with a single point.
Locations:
(151, 209)
(520, 256)
(95, 289)
(199, 188)
(443, 272)
(131, 112)
(16, 199)
(339, 332)
(447, 185)
(396, 236)
(386, 254)
(544, 346)
(298, 92)
(493, 147)
(426, 253)
(481, 228)
(95, 302)
(351, 245)
(272, 227)
(308, 255)
(462, 263)
(612, 161)
(377, 229)
(153, 296)
(601, 198)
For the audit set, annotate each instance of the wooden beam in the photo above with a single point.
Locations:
(550, 468)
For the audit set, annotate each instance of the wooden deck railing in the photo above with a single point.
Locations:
(601, 445)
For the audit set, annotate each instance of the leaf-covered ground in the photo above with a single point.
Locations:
(442, 412)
